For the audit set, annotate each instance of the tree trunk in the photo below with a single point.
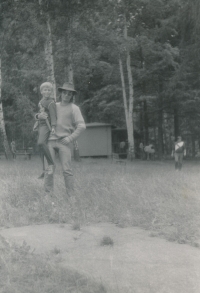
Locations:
(160, 136)
(129, 122)
(193, 146)
(155, 136)
(160, 122)
(2, 124)
(128, 106)
(70, 73)
(165, 139)
(131, 153)
(142, 123)
(70, 76)
(49, 57)
(123, 90)
(176, 123)
(146, 129)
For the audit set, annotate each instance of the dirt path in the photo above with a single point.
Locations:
(136, 263)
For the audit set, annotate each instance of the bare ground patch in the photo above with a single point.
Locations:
(135, 262)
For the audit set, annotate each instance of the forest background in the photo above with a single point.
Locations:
(134, 63)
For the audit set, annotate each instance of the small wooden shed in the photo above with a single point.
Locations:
(96, 140)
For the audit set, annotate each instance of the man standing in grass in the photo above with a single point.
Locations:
(69, 126)
(178, 152)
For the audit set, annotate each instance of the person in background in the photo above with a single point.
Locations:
(70, 124)
(178, 152)
(13, 149)
(122, 146)
(141, 147)
(150, 151)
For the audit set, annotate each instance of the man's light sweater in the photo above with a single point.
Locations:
(70, 122)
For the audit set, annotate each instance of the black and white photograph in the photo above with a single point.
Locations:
(99, 146)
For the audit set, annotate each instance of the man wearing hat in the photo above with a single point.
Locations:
(70, 124)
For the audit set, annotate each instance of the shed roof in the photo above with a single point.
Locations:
(97, 124)
(120, 129)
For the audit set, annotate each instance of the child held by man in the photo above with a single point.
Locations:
(45, 127)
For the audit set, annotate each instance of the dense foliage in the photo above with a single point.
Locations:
(163, 42)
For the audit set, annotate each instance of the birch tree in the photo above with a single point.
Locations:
(49, 57)
(2, 122)
(48, 46)
(127, 90)
(128, 102)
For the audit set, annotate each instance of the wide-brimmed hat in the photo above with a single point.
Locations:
(67, 86)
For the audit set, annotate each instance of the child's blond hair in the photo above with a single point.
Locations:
(46, 84)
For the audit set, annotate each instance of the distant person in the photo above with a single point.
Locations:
(122, 146)
(150, 151)
(141, 147)
(70, 124)
(46, 126)
(13, 149)
(178, 152)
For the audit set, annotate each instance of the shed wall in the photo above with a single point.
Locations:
(95, 141)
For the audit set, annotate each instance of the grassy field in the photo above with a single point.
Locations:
(150, 195)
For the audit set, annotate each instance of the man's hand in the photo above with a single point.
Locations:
(65, 141)
(42, 116)
(53, 130)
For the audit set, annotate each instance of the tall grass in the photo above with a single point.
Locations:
(150, 195)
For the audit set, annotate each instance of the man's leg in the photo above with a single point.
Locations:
(43, 165)
(180, 161)
(49, 177)
(65, 158)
